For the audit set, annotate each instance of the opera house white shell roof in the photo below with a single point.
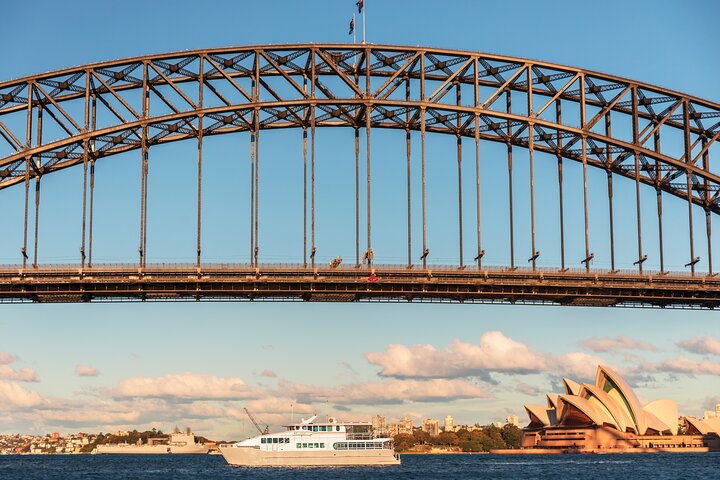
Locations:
(612, 403)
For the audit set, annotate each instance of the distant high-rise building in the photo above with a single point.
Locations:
(406, 426)
(513, 420)
(431, 426)
(449, 424)
(378, 424)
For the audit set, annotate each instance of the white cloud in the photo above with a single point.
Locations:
(494, 353)
(685, 365)
(607, 344)
(21, 375)
(6, 358)
(86, 371)
(14, 395)
(527, 389)
(200, 410)
(268, 374)
(9, 373)
(389, 391)
(282, 405)
(701, 345)
(577, 365)
(185, 386)
(89, 416)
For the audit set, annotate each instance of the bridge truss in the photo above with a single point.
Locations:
(77, 116)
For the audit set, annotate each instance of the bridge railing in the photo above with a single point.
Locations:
(249, 268)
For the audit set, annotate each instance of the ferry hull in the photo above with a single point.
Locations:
(254, 457)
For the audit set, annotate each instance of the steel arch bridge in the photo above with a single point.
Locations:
(104, 109)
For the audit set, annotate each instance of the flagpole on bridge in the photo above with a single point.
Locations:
(362, 6)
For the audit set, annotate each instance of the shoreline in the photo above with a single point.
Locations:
(566, 451)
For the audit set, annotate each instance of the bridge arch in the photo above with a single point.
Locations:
(79, 115)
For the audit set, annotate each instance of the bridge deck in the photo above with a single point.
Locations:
(68, 283)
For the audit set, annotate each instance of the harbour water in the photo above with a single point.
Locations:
(177, 467)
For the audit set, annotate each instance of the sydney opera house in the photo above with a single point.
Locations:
(607, 416)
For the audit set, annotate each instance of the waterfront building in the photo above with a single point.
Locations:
(431, 426)
(449, 424)
(513, 420)
(379, 425)
(406, 426)
(403, 426)
(608, 416)
(709, 414)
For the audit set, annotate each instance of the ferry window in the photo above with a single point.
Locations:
(337, 429)
(322, 445)
(322, 428)
(315, 428)
(262, 440)
(317, 445)
(304, 445)
(298, 445)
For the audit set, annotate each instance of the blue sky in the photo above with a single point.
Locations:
(99, 367)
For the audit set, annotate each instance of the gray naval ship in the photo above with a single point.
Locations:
(178, 443)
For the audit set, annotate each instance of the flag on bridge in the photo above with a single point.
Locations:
(352, 25)
(360, 4)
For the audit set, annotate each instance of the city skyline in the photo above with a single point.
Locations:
(158, 385)
(106, 367)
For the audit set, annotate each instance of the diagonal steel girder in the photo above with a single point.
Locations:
(448, 68)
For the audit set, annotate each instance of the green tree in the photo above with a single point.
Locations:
(512, 436)
(447, 438)
(421, 438)
(404, 442)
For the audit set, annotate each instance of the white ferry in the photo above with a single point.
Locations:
(308, 443)
(178, 443)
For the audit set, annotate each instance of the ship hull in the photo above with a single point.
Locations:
(254, 457)
(153, 449)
